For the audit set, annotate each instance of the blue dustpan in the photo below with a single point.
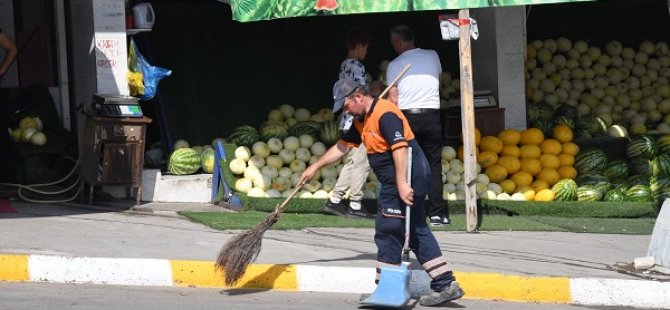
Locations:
(393, 288)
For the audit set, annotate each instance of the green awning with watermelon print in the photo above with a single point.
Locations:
(254, 10)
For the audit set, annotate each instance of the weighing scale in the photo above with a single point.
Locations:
(482, 99)
(116, 105)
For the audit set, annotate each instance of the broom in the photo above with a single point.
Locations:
(241, 250)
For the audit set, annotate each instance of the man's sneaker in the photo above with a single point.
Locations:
(362, 213)
(446, 220)
(436, 221)
(452, 292)
(335, 208)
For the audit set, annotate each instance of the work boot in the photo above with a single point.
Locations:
(451, 292)
(335, 208)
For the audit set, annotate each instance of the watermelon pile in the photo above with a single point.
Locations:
(186, 159)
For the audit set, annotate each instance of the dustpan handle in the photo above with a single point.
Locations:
(407, 207)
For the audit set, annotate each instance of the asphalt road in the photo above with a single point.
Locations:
(15, 296)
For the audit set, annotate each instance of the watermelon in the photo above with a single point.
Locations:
(616, 170)
(660, 166)
(547, 126)
(588, 193)
(637, 180)
(641, 146)
(586, 126)
(269, 130)
(539, 111)
(207, 160)
(602, 183)
(565, 190)
(567, 110)
(663, 144)
(640, 166)
(564, 120)
(244, 135)
(591, 161)
(615, 195)
(305, 128)
(329, 133)
(639, 193)
(184, 161)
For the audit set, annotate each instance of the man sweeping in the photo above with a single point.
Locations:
(382, 127)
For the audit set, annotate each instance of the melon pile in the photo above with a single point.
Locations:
(525, 164)
(186, 159)
(619, 85)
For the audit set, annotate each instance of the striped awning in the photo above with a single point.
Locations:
(255, 10)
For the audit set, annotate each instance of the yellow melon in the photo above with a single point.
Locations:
(508, 186)
(539, 185)
(522, 178)
(532, 136)
(562, 133)
(511, 150)
(551, 146)
(478, 136)
(566, 160)
(531, 165)
(491, 143)
(510, 136)
(527, 191)
(545, 195)
(530, 151)
(511, 164)
(550, 161)
(487, 158)
(549, 175)
(570, 148)
(567, 172)
(496, 173)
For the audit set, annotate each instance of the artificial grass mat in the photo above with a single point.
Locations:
(487, 222)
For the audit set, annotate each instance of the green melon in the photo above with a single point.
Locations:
(660, 166)
(602, 183)
(616, 170)
(567, 110)
(663, 144)
(277, 130)
(539, 112)
(207, 160)
(305, 128)
(546, 126)
(615, 195)
(588, 193)
(184, 161)
(591, 161)
(244, 135)
(586, 126)
(639, 193)
(564, 120)
(329, 133)
(641, 146)
(640, 166)
(637, 180)
(565, 190)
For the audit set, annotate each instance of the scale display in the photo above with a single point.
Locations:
(122, 110)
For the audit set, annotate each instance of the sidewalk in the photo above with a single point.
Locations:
(152, 245)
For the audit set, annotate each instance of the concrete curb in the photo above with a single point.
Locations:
(180, 273)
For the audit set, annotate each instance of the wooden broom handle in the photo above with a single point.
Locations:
(281, 207)
(395, 80)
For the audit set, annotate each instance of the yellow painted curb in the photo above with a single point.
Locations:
(14, 268)
(514, 288)
(263, 276)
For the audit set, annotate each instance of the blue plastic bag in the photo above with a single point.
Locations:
(151, 75)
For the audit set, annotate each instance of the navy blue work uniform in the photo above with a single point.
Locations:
(384, 129)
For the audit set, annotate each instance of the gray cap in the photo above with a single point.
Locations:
(343, 89)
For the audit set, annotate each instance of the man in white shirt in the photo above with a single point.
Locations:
(417, 94)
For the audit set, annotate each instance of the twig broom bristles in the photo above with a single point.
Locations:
(242, 249)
